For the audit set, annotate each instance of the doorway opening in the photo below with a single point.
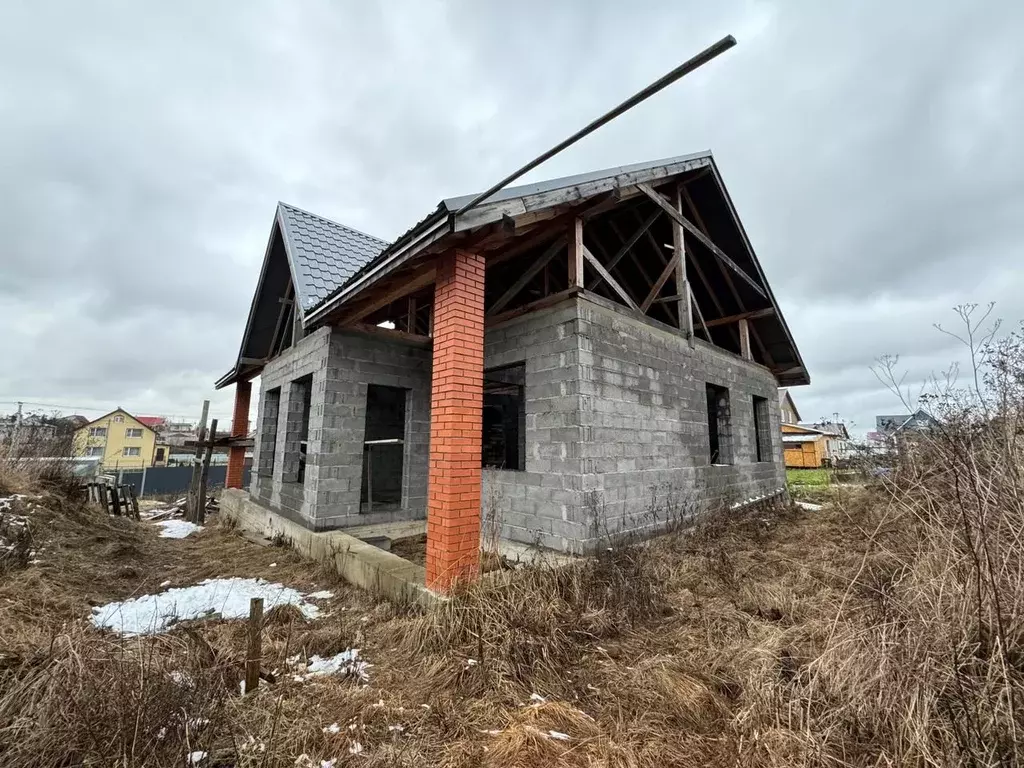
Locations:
(383, 449)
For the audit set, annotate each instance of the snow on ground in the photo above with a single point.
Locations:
(345, 664)
(177, 529)
(152, 614)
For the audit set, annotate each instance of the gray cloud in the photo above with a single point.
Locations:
(873, 152)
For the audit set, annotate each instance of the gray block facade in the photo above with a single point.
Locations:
(616, 427)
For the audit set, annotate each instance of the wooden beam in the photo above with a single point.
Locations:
(700, 316)
(644, 226)
(252, 361)
(701, 237)
(683, 309)
(728, 280)
(599, 268)
(666, 273)
(745, 339)
(576, 254)
(527, 276)
(401, 286)
(753, 315)
(533, 306)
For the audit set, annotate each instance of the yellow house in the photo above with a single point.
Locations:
(121, 441)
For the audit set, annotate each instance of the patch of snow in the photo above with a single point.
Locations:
(536, 698)
(273, 565)
(346, 664)
(328, 763)
(177, 529)
(194, 758)
(332, 728)
(558, 735)
(153, 614)
(355, 748)
(165, 583)
(323, 594)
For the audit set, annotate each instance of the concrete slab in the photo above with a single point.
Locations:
(392, 531)
(356, 561)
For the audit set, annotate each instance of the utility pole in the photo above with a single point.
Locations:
(15, 434)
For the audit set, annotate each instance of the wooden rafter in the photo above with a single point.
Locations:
(542, 261)
(387, 293)
(744, 327)
(696, 232)
(728, 280)
(652, 241)
(683, 308)
(599, 268)
(666, 273)
(627, 245)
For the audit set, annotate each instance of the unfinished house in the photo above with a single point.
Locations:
(564, 360)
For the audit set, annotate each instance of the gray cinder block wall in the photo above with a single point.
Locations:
(342, 366)
(615, 426)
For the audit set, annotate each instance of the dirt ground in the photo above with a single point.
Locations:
(679, 653)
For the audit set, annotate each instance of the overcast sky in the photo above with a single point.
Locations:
(875, 154)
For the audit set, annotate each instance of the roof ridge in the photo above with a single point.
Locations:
(332, 222)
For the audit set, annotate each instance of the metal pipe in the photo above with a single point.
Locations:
(685, 68)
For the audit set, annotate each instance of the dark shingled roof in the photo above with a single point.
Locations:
(323, 253)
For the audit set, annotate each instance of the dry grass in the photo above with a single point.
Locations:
(774, 638)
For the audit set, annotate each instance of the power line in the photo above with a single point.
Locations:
(103, 408)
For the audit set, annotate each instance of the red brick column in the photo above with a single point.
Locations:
(453, 505)
(239, 428)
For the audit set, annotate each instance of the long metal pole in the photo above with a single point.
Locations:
(685, 68)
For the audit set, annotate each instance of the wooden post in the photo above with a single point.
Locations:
(745, 339)
(253, 656)
(193, 488)
(134, 501)
(115, 503)
(101, 494)
(683, 306)
(576, 254)
(200, 516)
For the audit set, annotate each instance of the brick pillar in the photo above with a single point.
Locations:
(239, 428)
(456, 405)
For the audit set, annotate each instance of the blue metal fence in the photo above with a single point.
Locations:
(154, 481)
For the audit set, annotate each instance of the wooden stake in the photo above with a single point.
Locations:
(193, 487)
(134, 502)
(115, 503)
(253, 656)
(200, 516)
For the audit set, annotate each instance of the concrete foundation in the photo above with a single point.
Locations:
(614, 429)
(356, 561)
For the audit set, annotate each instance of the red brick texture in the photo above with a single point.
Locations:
(456, 413)
(239, 428)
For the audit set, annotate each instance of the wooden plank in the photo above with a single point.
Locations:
(527, 276)
(701, 237)
(533, 306)
(745, 339)
(627, 245)
(410, 317)
(666, 273)
(599, 268)
(194, 482)
(576, 253)
(752, 315)
(252, 361)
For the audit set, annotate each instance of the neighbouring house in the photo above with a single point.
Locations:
(788, 413)
(889, 426)
(30, 427)
(120, 441)
(815, 446)
(552, 360)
